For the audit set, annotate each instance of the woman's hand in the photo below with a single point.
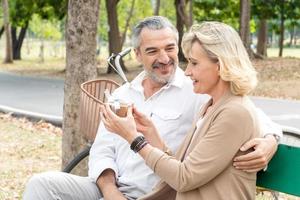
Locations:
(145, 126)
(123, 126)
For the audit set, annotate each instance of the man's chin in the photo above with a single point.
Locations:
(160, 77)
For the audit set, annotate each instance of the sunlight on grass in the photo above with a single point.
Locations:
(287, 52)
(24, 151)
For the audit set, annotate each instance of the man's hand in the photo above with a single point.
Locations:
(107, 184)
(264, 149)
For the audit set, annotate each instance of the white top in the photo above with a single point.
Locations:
(172, 110)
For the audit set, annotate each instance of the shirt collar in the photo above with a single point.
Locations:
(177, 80)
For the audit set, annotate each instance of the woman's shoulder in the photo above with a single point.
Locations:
(239, 107)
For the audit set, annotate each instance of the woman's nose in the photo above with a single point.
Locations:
(187, 71)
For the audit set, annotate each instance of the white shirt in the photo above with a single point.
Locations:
(172, 110)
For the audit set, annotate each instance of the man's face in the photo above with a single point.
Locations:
(158, 53)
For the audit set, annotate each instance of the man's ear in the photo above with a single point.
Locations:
(137, 52)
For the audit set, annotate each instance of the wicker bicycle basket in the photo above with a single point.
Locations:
(91, 98)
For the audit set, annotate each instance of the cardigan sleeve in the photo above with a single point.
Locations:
(212, 154)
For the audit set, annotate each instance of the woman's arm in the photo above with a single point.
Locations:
(213, 153)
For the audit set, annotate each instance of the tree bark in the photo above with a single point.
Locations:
(292, 34)
(281, 36)
(180, 27)
(17, 41)
(245, 10)
(1, 31)
(191, 20)
(127, 23)
(295, 37)
(8, 53)
(114, 39)
(42, 54)
(262, 38)
(156, 7)
(81, 32)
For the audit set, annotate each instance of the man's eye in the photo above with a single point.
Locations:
(150, 52)
(170, 49)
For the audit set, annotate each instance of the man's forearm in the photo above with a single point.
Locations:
(107, 184)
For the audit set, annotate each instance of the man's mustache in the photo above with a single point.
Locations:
(158, 64)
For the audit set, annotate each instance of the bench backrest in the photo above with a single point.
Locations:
(283, 172)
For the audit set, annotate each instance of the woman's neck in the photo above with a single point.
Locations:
(219, 91)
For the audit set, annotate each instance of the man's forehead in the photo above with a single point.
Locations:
(162, 37)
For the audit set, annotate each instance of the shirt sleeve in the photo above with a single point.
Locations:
(102, 153)
(267, 125)
(212, 154)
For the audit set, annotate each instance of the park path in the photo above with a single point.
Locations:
(42, 98)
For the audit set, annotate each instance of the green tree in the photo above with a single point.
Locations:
(45, 30)
(217, 10)
(21, 12)
(263, 11)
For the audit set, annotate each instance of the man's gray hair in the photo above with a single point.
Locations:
(152, 23)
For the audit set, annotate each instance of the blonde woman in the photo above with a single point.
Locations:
(202, 168)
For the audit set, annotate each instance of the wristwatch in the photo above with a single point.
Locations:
(277, 137)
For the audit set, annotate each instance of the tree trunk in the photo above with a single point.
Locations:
(281, 36)
(191, 20)
(114, 39)
(245, 10)
(8, 53)
(292, 34)
(1, 31)
(42, 54)
(17, 41)
(81, 32)
(180, 27)
(262, 38)
(156, 7)
(127, 23)
(295, 37)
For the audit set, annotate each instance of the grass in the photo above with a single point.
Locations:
(278, 78)
(25, 148)
(287, 52)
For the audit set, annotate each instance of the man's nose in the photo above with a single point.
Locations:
(163, 57)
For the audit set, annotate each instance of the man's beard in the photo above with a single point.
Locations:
(162, 80)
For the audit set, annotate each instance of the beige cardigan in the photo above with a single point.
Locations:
(205, 168)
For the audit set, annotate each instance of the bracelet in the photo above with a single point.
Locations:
(138, 143)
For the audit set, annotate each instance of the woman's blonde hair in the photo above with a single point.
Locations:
(223, 44)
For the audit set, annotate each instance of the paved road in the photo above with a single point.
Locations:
(44, 98)
(38, 97)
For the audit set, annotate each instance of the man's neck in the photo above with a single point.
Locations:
(151, 87)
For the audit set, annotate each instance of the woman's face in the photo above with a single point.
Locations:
(202, 70)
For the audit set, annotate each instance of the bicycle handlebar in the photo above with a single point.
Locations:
(124, 52)
(116, 65)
